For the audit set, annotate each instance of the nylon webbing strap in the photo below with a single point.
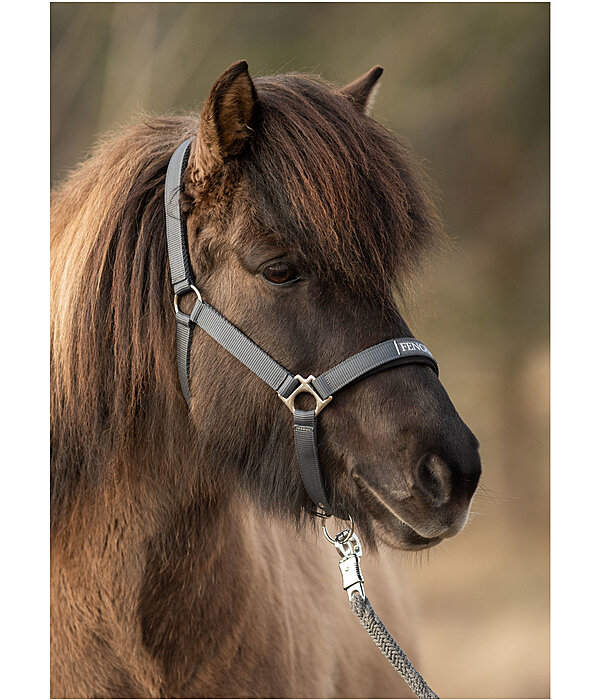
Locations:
(184, 344)
(305, 439)
(240, 346)
(182, 277)
(390, 353)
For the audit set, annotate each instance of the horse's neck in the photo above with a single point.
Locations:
(155, 581)
(211, 599)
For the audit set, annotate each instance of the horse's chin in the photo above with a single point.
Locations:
(398, 535)
(389, 527)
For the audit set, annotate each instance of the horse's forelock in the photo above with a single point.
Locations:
(337, 186)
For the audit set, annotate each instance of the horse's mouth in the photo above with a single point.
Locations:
(410, 538)
(391, 528)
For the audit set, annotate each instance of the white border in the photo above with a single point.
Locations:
(575, 393)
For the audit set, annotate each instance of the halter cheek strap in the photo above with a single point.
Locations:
(390, 353)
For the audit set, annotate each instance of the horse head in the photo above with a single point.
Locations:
(305, 218)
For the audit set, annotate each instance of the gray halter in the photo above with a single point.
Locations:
(389, 353)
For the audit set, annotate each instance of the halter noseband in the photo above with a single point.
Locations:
(389, 353)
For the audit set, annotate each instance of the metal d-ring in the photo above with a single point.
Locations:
(348, 532)
(305, 387)
(177, 296)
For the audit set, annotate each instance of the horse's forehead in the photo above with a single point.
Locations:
(331, 185)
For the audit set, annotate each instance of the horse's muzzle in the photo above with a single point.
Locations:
(433, 503)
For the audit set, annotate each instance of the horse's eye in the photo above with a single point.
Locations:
(280, 273)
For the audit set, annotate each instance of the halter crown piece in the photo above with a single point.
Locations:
(389, 353)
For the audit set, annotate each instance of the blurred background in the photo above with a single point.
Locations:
(467, 84)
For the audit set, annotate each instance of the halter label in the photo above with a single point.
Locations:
(410, 346)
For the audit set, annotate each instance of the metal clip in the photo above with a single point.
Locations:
(350, 550)
(352, 578)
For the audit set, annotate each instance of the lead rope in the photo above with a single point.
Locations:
(378, 632)
(350, 551)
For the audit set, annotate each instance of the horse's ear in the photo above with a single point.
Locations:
(361, 92)
(226, 120)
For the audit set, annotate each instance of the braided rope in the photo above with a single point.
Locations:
(369, 619)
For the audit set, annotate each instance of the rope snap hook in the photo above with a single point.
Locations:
(349, 548)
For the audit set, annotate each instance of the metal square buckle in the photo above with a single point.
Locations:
(305, 387)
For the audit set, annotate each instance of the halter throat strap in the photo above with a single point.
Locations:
(390, 353)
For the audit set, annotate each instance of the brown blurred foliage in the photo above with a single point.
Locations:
(467, 84)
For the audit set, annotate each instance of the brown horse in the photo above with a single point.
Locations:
(184, 563)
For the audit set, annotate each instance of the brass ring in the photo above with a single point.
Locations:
(335, 540)
(176, 300)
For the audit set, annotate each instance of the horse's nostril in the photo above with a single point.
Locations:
(434, 479)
